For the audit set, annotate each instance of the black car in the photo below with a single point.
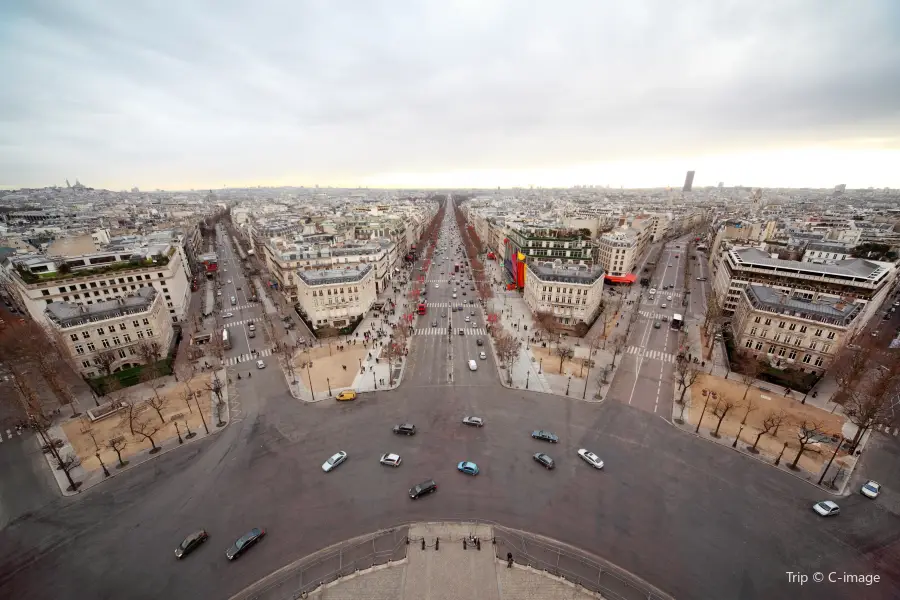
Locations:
(479, 342)
(544, 460)
(545, 436)
(405, 429)
(191, 543)
(245, 542)
(424, 488)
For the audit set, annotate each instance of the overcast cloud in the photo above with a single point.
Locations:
(181, 94)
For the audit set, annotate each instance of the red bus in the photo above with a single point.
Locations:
(422, 308)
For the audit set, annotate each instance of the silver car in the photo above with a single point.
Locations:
(335, 460)
(473, 421)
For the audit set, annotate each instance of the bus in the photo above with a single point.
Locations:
(422, 308)
(677, 321)
(226, 340)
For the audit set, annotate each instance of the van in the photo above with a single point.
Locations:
(473, 366)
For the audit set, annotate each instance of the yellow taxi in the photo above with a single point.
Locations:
(346, 395)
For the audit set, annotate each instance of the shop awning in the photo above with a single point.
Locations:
(629, 278)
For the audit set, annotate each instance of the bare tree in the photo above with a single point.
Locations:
(749, 407)
(132, 410)
(146, 430)
(88, 429)
(564, 352)
(618, 346)
(686, 374)
(105, 360)
(851, 366)
(769, 424)
(217, 348)
(750, 368)
(117, 444)
(808, 432)
(545, 322)
(156, 402)
(867, 409)
(720, 410)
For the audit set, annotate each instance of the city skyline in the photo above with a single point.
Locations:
(438, 95)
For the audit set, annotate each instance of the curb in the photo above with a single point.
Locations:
(837, 493)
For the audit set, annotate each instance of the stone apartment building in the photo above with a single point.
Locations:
(619, 251)
(572, 293)
(336, 297)
(111, 331)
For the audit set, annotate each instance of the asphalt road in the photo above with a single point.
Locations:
(684, 514)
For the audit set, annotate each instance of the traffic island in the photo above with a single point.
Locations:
(142, 424)
(769, 426)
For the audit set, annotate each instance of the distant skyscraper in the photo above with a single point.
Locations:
(721, 184)
(688, 181)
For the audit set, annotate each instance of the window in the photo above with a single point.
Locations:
(777, 337)
(131, 351)
(798, 341)
(116, 341)
(772, 349)
(79, 349)
(140, 334)
(122, 326)
(146, 321)
(127, 338)
(807, 358)
(803, 329)
(83, 286)
(830, 335)
(764, 333)
(793, 326)
(86, 334)
(86, 364)
(91, 347)
(819, 362)
(818, 333)
(768, 321)
(759, 345)
(812, 345)
(136, 323)
(781, 324)
(112, 328)
(781, 351)
(100, 331)
(45, 292)
(749, 344)
(105, 343)
(65, 298)
(753, 331)
(73, 337)
(792, 355)
(121, 353)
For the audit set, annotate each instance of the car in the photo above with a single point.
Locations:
(334, 461)
(227, 315)
(827, 508)
(443, 313)
(479, 342)
(390, 460)
(701, 279)
(346, 395)
(664, 305)
(464, 292)
(260, 364)
(473, 421)
(669, 297)
(546, 436)
(245, 542)
(191, 543)
(219, 293)
(652, 291)
(405, 429)
(469, 468)
(544, 460)
(461, 331)
(229, 281)
(468, 318)
(656, 325)
(590, 458)
(251, 327)
(437, 285)
(482, 356)
(871, 489)
(434, 323)
(422, 489)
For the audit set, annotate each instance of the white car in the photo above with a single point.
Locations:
(652, 291)
(664, 305)
(436, 285)
(335, 460)
(827, 508)
(229, 281)
(227, 315)
(260, 364)
(871, 489)
(473, 421)
(391, 460)
(219, 293)
(468, 319)
(669, 297)
(482, 356)
(591, 458)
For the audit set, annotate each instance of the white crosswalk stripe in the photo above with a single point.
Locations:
(231, 323)
(448, 304)
(654, 354)
(233, 360)
(443, 331)
(651, 315)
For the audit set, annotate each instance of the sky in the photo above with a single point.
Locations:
(472, 93)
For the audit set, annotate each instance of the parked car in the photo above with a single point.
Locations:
(390, 460)
(590, 458)
(346, 395)
(468, 468)
(422, 489)
(405, 429)
(871, 489)
(473, 421)
(191, 543)
(544, 460)
(827, 508)
(546, 436)
(245, 542)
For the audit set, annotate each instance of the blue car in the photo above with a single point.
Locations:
(469, 468)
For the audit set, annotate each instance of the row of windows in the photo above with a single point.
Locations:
(576, 291)
(557, 300)
(110, 329)
(79, 348)
(813, 345)
(322, 292)
(342, 300)
(121, 352)
(94, 284)
(786, 352)
(792, 327)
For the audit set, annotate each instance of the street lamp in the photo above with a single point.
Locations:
(328, 381)
(568, 384)
(527, 378)
(541, 366)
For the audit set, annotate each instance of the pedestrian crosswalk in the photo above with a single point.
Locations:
(233, 360)
(652, 315)
(226, 309)
(443, 331)
(10, 433)
(449, 304)
(232, 322)
(663, 295)
(654, 354)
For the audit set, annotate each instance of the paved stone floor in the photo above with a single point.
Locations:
(449, 573)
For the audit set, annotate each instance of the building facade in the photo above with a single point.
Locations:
(572, 294)
(619, 251)
(108, 335)
(336, 297)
